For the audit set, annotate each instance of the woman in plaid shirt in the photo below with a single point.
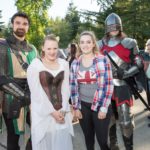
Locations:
(91, 90)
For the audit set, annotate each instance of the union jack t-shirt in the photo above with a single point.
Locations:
(104, 80)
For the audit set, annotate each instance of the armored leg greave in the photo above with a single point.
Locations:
(127, 125)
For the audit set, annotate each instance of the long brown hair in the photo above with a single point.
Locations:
(121, 35)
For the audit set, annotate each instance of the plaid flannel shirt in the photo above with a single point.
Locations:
(103, 94)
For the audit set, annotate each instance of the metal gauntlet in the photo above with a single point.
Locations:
(21, 96)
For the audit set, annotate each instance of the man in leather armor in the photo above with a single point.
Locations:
(123, 51)
(15, 56)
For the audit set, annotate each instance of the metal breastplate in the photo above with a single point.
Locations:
(121, 64)
(52, 87)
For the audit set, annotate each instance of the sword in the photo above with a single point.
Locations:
(135, 92)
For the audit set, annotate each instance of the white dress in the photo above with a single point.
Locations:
(46, 133)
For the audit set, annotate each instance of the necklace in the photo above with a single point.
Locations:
(52, 65)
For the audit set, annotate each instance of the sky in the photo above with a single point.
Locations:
(59, 8)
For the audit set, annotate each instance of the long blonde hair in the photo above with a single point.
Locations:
(93, 37)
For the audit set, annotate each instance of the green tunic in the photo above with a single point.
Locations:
(10, 66)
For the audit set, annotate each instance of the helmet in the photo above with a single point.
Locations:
(113, 23)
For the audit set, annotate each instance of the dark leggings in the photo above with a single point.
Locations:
(12, 137)
(91, 125)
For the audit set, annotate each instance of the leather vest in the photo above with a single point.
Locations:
(52, 87)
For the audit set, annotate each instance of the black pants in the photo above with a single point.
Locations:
(91, 125)
(12, 137)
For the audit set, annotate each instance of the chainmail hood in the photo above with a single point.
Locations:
(16, 44)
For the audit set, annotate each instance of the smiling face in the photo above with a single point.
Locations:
(20, 26)
(86, 44)
(50, 49)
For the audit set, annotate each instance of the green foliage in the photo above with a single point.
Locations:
(73, 19)
(1, 25)
(135, 18)
(38, 12)
(134, 15)
(7, 30)
(60, 28)
(105, 4)
(67, 28)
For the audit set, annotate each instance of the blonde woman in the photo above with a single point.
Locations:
(91, 91)
(48, 79)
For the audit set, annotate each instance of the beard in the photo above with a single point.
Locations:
(20, 32)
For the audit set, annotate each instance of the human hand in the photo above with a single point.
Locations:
(58, 116)
(101, 115)
(77, 114)
(63, 112)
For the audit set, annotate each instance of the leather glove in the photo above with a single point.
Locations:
(120, 73)
(25, 100)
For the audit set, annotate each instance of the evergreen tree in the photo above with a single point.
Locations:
(1, 24)
(73, 19)
(38, 12)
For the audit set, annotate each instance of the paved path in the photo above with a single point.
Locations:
(141, 134)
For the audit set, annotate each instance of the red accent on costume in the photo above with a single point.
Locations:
(124, 54)
(86, 77)
(121, 51)
(129, 102)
